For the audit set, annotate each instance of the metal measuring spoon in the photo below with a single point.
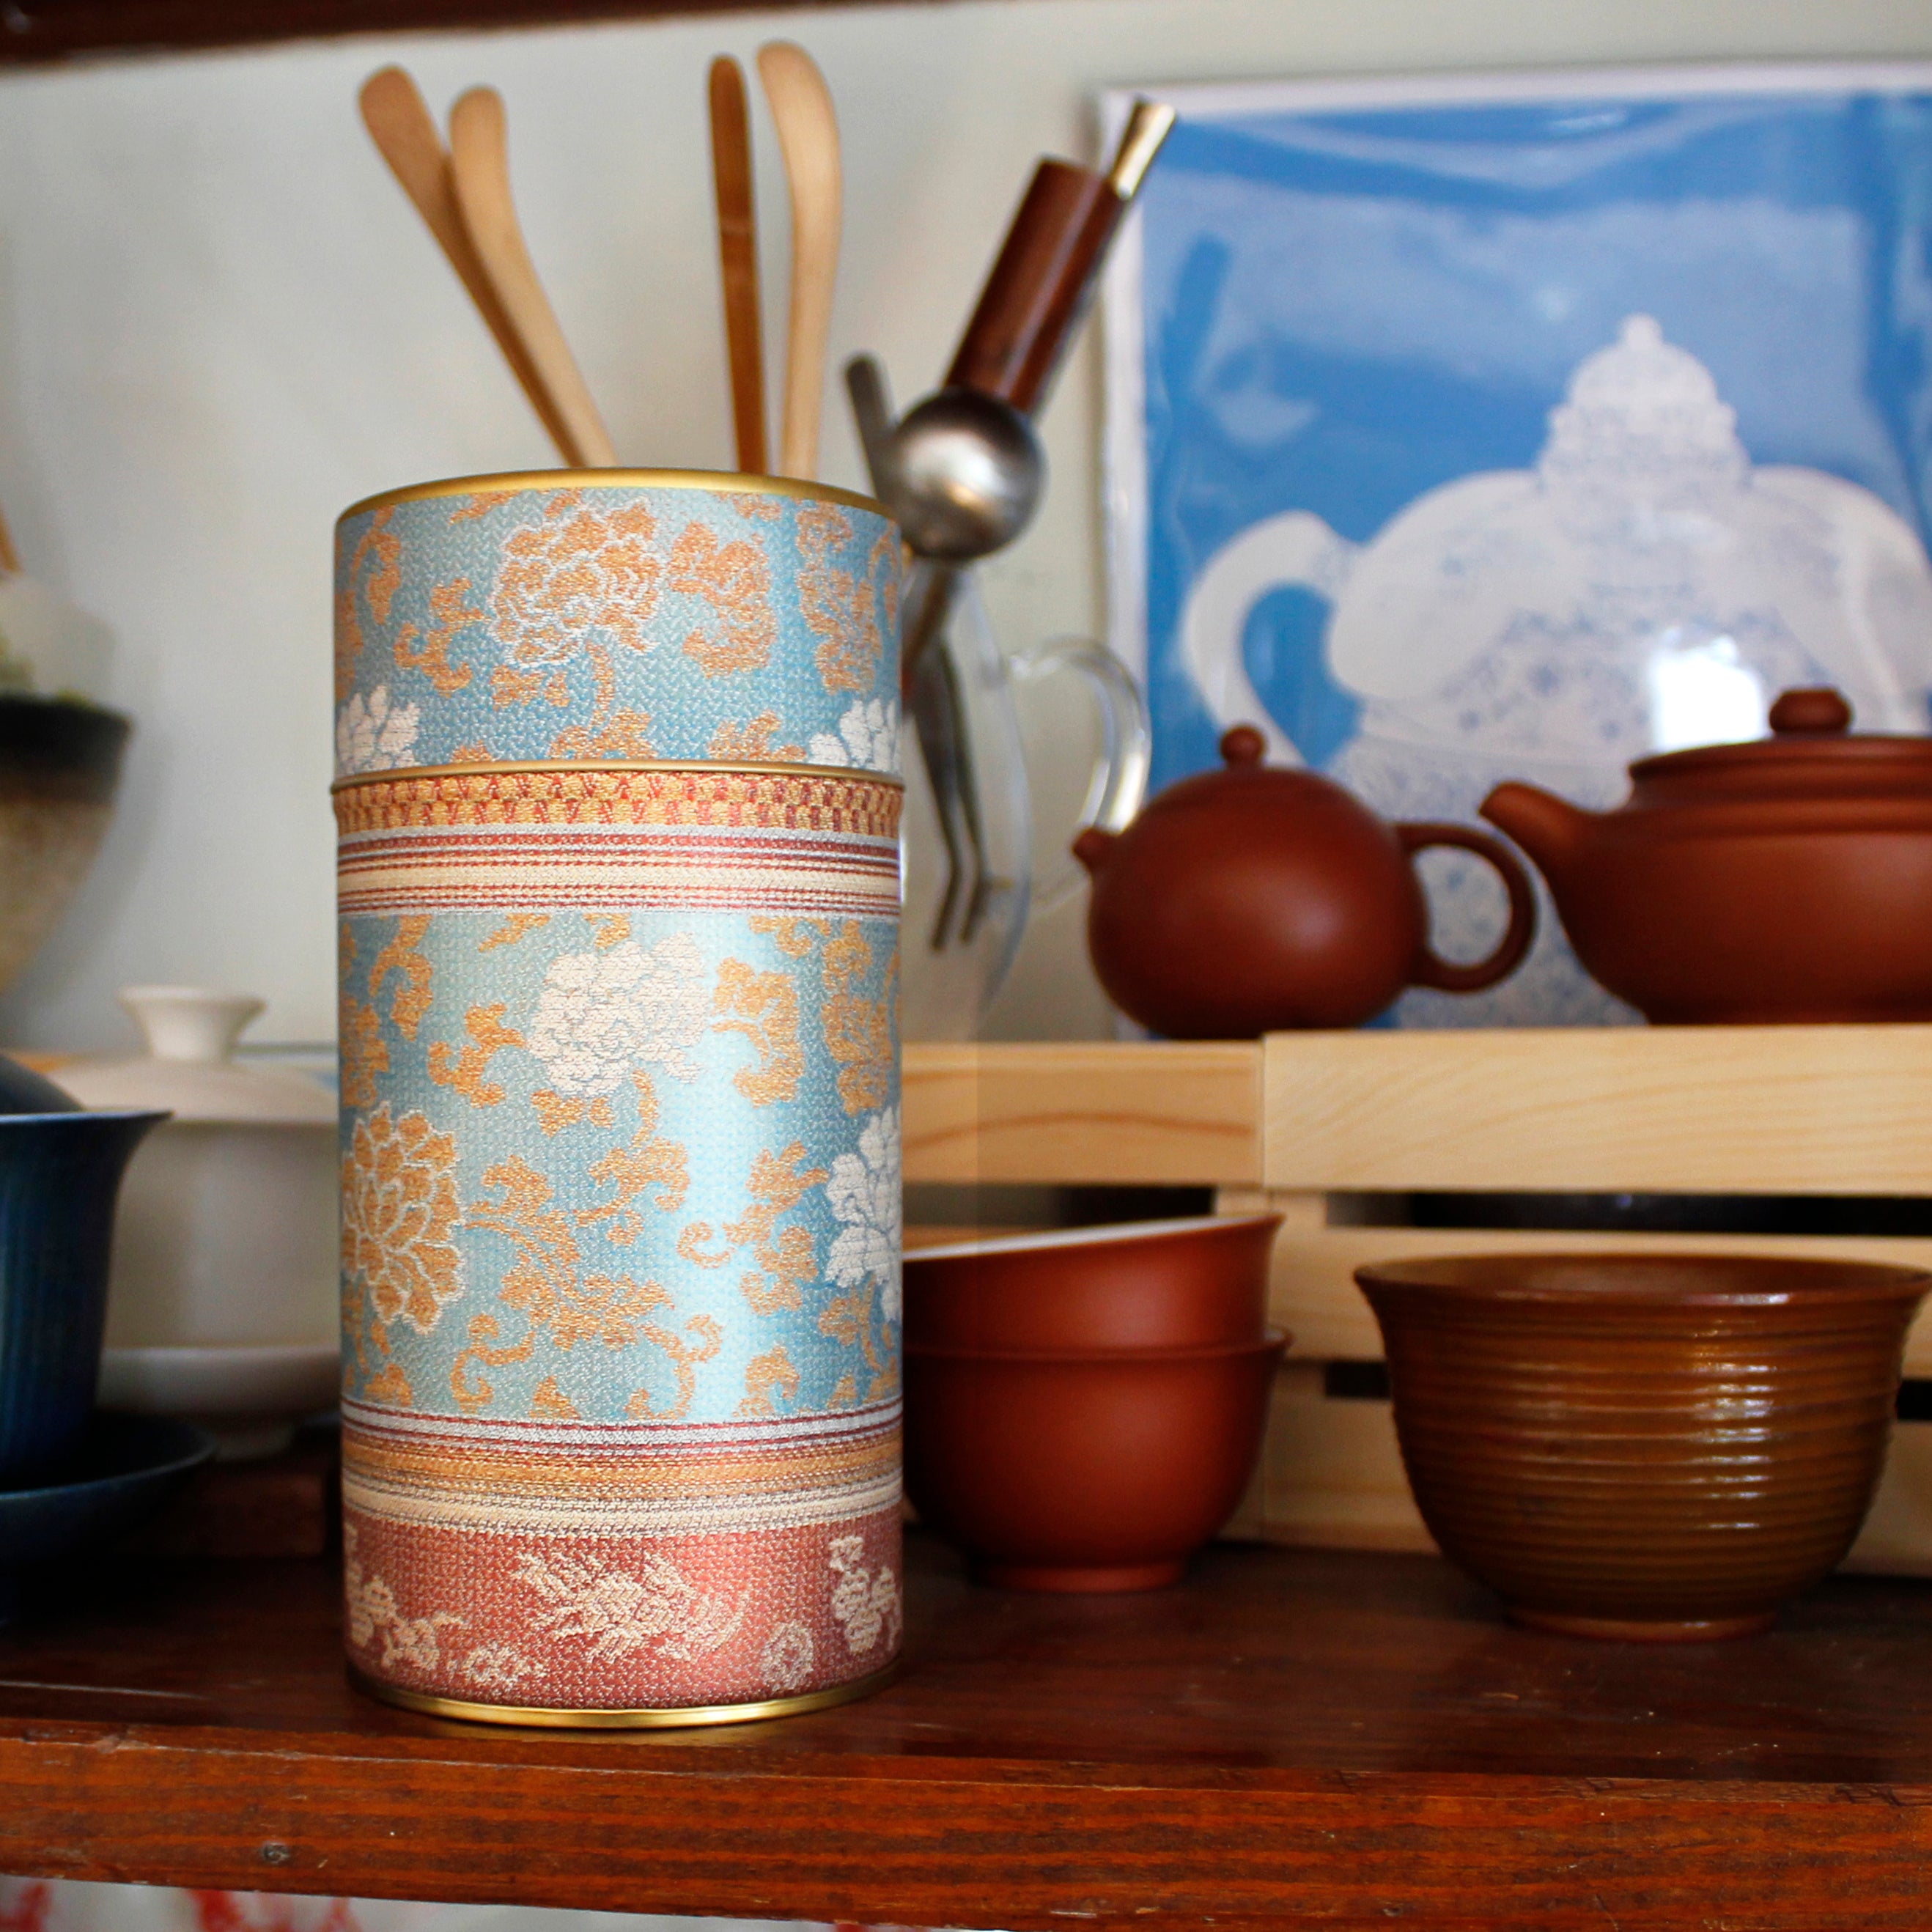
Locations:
(928, 681)
(966, 472)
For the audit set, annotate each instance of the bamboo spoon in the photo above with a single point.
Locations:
(807, 129)
(738, 260)
(406, 136)
(479, 160)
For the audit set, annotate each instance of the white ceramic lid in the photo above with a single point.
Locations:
(189, 1067)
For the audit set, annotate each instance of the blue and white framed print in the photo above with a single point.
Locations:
(1516, 426)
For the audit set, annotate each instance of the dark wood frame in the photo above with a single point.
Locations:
(1341, 1740)
(37, 32)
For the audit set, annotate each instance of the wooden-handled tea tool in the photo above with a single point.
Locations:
(1043, 277)
(479, 160)
(808, 130)
(738, 260)
(406, 136)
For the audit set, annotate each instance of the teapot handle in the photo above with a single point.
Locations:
(1431, 969)
(1118, 784)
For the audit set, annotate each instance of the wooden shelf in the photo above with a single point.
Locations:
(34, 32)
(1341, 1738)
(1085, 1111)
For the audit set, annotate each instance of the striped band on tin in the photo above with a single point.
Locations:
(858, 804)
(570, 1480)
(703, 868)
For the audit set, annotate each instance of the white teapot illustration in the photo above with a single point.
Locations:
(1643, 588)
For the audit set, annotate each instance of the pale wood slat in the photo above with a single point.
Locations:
(1177, 1113)
(1758, 1110)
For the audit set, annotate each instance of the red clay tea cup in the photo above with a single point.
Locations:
(1200, 1283)
(1084, 1472)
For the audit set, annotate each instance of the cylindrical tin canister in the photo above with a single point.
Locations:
(618, 801)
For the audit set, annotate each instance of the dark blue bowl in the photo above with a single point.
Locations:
(59, 1175)
(125, 1467)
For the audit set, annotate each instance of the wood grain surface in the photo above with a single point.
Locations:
(1341, 1739)
(1724, 1110)
(735, 186)
(32, 31)
(1183, 1114)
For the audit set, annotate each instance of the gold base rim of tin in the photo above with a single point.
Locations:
(510, 482)
(748, 766)
(689, 1717)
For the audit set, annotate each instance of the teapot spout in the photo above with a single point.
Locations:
(1550, 830)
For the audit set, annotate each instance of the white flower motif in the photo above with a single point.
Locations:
(868, 737)
(789, 1655)
(496, 1666)
(658, 1609)
(600, 1014)
(863, 1192)
(374, 735)
(372, 1606)
(866, 1603)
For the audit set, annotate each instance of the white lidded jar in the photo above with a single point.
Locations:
(222, 1305)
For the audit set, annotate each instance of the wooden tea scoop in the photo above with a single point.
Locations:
(479, 160)
(406, 136)
(807, 129)
(1044, 276)
(738, 260)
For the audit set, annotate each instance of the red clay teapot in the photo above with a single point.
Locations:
(1786, 878)
(1256, 898)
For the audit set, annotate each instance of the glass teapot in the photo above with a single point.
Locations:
(968, 836)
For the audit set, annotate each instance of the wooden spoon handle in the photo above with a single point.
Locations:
(1037, 285)
(479, 159)
(738, 260)
(1040, 287)
(808, 130)
(405, 135)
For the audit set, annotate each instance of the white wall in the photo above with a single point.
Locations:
(220, 323)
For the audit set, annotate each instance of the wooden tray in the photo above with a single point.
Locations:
(1324, 1128)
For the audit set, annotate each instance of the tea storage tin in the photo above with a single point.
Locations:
(618, 801)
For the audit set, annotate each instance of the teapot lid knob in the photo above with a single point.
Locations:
(1815, 711)
(1242, 745)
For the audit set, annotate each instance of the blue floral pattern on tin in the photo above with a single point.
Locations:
(674, 619)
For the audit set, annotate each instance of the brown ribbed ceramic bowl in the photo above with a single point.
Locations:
(1199, 1282)
(1650, 1447)
(1083, 1472)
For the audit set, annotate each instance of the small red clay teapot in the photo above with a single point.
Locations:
(1257, 898)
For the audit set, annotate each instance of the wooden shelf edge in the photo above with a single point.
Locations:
(1180, 1113)
(35, 33)
(1028, 1846)
(1675, 1110)
(1292, 1737)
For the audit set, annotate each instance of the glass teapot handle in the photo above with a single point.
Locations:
(1118, 786)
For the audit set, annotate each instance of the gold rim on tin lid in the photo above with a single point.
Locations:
(550, 1718)
(747, 767)
(509, 482)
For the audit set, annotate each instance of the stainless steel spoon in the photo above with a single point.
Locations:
(967, 470)
(928, 686)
